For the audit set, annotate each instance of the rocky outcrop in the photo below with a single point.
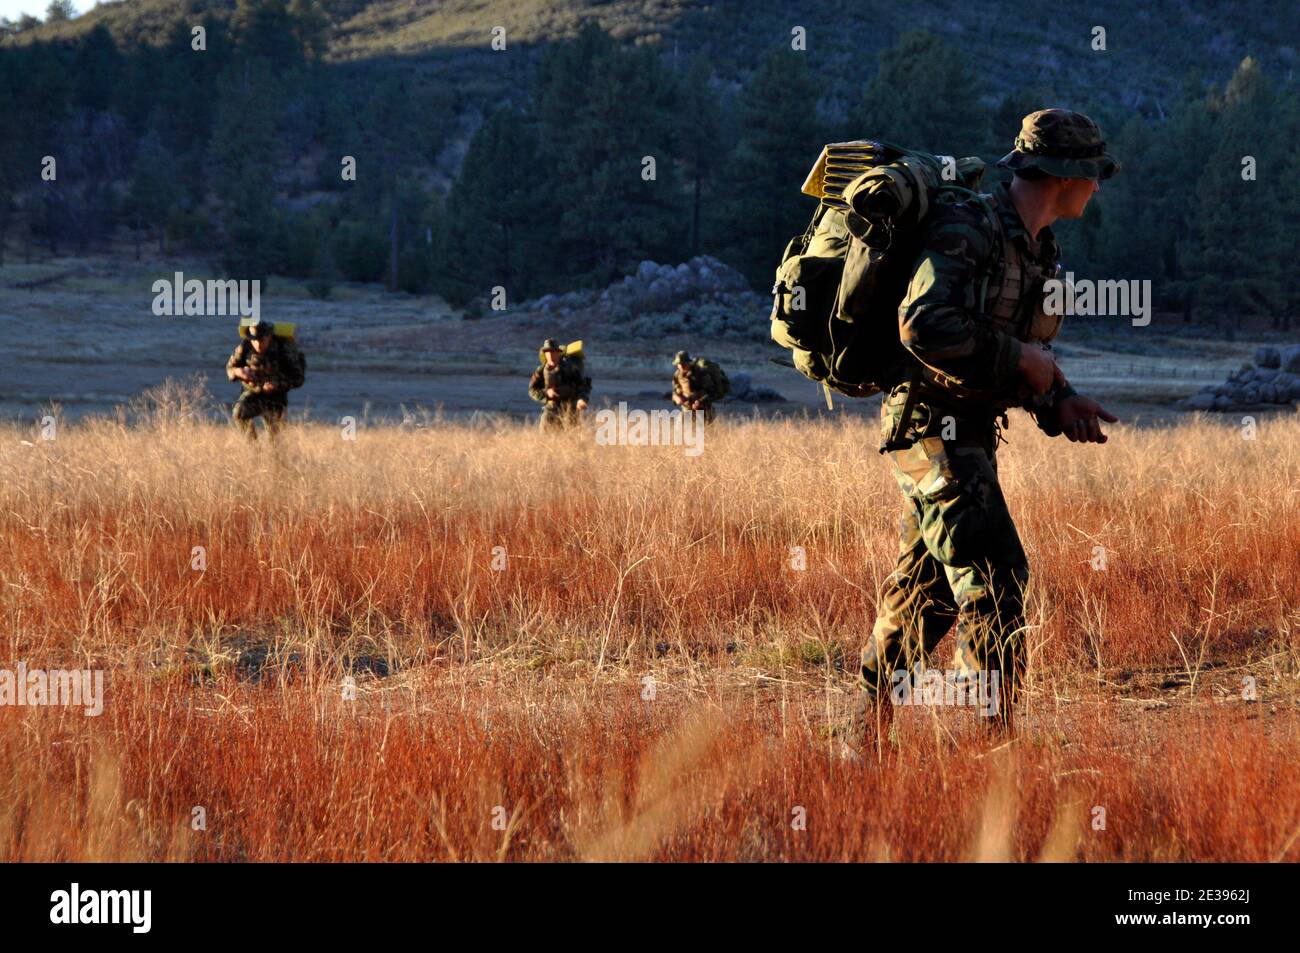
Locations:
(702, 297)
(1272, 379)
(743, 389)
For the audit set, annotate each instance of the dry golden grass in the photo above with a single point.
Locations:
(505, 714)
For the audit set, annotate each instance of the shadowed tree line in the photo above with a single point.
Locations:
(604, 155)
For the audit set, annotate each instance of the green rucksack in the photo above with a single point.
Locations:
(715, 379)
(839, 284)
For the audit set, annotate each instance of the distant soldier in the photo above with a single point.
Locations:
(560, 385)
(697, 384)
(268, 367)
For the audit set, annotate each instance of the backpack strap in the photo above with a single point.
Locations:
(996, 254)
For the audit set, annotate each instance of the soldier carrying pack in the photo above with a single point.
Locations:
(560, 384)
(267, 364)
(698, 384)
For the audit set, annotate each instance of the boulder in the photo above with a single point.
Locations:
(742, 385)
(1201, 402)
(1290, 359)
(1268, 356)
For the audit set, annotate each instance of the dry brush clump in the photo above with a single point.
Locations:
(562, 650)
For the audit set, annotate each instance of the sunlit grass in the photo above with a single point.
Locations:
(607, 652)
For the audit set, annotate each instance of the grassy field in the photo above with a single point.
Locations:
(562, 650)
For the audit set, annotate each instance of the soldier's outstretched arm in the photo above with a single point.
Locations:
(938, 317)
(1046, 409)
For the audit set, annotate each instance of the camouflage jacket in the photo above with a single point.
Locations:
(967, 351)
(283, 366)
(566, 378)
(692, 382)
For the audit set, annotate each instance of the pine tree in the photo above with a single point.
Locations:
(152, 193)
(60, 11)
(1227, 248)
(699, 132)
(242, 157)
(605, 127)
(323, 271)
(923, 97)
(782, 139)
(97, 67)
(495, 221)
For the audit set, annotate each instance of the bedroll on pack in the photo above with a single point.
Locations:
(839, 284)
(283, 329)
(572, 351)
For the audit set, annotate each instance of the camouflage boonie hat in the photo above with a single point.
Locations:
(1064, 144)
(255, 328)
(681, 357)
(550, 344)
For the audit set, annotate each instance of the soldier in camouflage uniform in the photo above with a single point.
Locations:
(267, 367)
(560, 386)
(694, 387)
(970, 359)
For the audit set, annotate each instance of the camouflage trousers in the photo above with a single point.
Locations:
(560, 415)
(250, 405)
(960, 559)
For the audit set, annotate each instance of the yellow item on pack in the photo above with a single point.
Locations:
(283, 329)
(573, 350)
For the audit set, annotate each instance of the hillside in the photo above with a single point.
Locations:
(382, 141)
(1151, 49)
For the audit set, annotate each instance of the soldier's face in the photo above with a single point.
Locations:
(552, 358)
(261, 344)
(1074, 196)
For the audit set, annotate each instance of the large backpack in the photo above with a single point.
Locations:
(839, 284)
(715, 379)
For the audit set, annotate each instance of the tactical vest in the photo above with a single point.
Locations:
(1014, 304)
(561, 379)
(268, 366)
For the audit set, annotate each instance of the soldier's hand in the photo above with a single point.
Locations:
(268, 386)
(1037, 367)
(1080, 419)
(582, 404)
(552, 393)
